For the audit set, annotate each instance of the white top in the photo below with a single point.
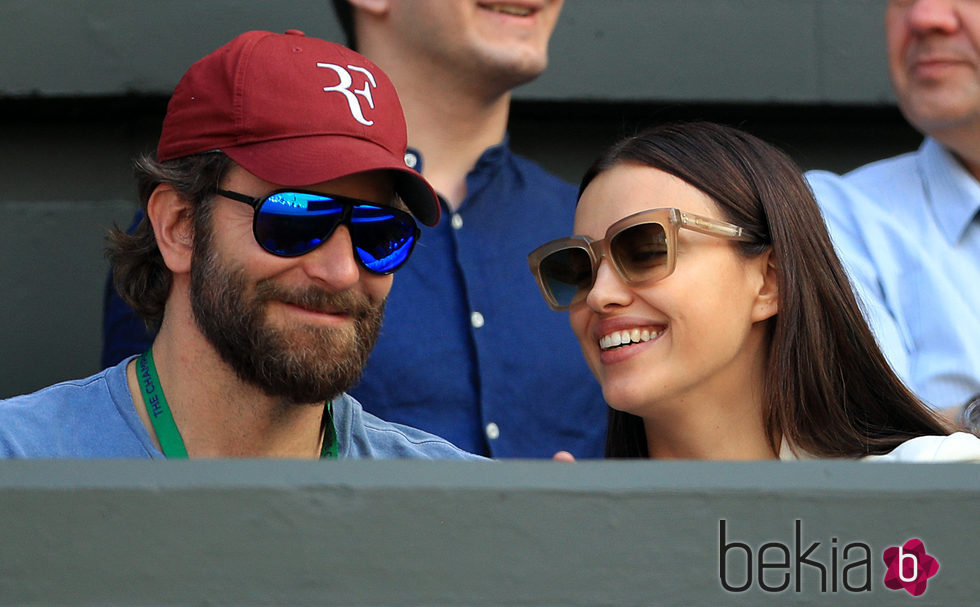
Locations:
(957, 447)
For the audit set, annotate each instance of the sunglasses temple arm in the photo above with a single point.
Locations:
(713, 227)
(253, 202)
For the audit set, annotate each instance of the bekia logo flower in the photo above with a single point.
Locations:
(909, 567)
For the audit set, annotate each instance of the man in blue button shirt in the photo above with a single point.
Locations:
(467, 350)
(908, 227)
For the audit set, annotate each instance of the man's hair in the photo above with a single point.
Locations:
(140, 275)
(345, 16)
(828, 388)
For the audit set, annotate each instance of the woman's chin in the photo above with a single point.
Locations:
(626, 399)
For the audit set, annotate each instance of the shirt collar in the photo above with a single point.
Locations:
(951, 190)
(491, 155)
(482, 173)
(494, 153)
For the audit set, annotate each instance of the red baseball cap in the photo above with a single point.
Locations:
(295, 111)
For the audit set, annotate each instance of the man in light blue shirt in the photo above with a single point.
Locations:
(908, 228)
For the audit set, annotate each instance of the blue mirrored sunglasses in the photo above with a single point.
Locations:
(290, 223)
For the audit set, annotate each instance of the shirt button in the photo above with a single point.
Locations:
(457, 221)
(411, 160)
(493, 432)
(476, 319)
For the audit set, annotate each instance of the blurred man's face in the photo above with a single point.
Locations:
(934, 59)
(505, 42)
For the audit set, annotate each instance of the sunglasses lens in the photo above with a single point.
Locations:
(640, 251)
(289, 224)
(383, 237)
(567, 274)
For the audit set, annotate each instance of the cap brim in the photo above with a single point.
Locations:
(304, 161)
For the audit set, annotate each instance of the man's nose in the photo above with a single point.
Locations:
(333, 263)
(926, 16)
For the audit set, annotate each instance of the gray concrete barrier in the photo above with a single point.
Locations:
(386, 533)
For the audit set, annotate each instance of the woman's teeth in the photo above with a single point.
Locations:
(625, 338)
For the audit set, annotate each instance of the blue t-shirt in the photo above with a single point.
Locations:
(95, 418)
(469, 350)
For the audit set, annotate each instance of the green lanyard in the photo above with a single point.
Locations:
(171, 443)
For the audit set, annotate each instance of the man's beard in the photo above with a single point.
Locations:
(301, 363)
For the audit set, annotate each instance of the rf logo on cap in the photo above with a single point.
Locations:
(346, 80)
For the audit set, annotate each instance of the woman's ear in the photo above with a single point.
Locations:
(767, 300)
(171, 217)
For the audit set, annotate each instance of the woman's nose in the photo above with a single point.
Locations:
(609, 288)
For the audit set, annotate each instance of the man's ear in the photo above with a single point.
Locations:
(171, 216)
(767, 301)
(375, 7)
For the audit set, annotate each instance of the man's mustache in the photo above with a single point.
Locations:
(315, 299)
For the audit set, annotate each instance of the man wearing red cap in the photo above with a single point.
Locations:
(276, 210)
(468, 351)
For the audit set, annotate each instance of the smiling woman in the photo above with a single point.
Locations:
(709, 302)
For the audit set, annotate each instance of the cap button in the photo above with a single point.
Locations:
(294, 33)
